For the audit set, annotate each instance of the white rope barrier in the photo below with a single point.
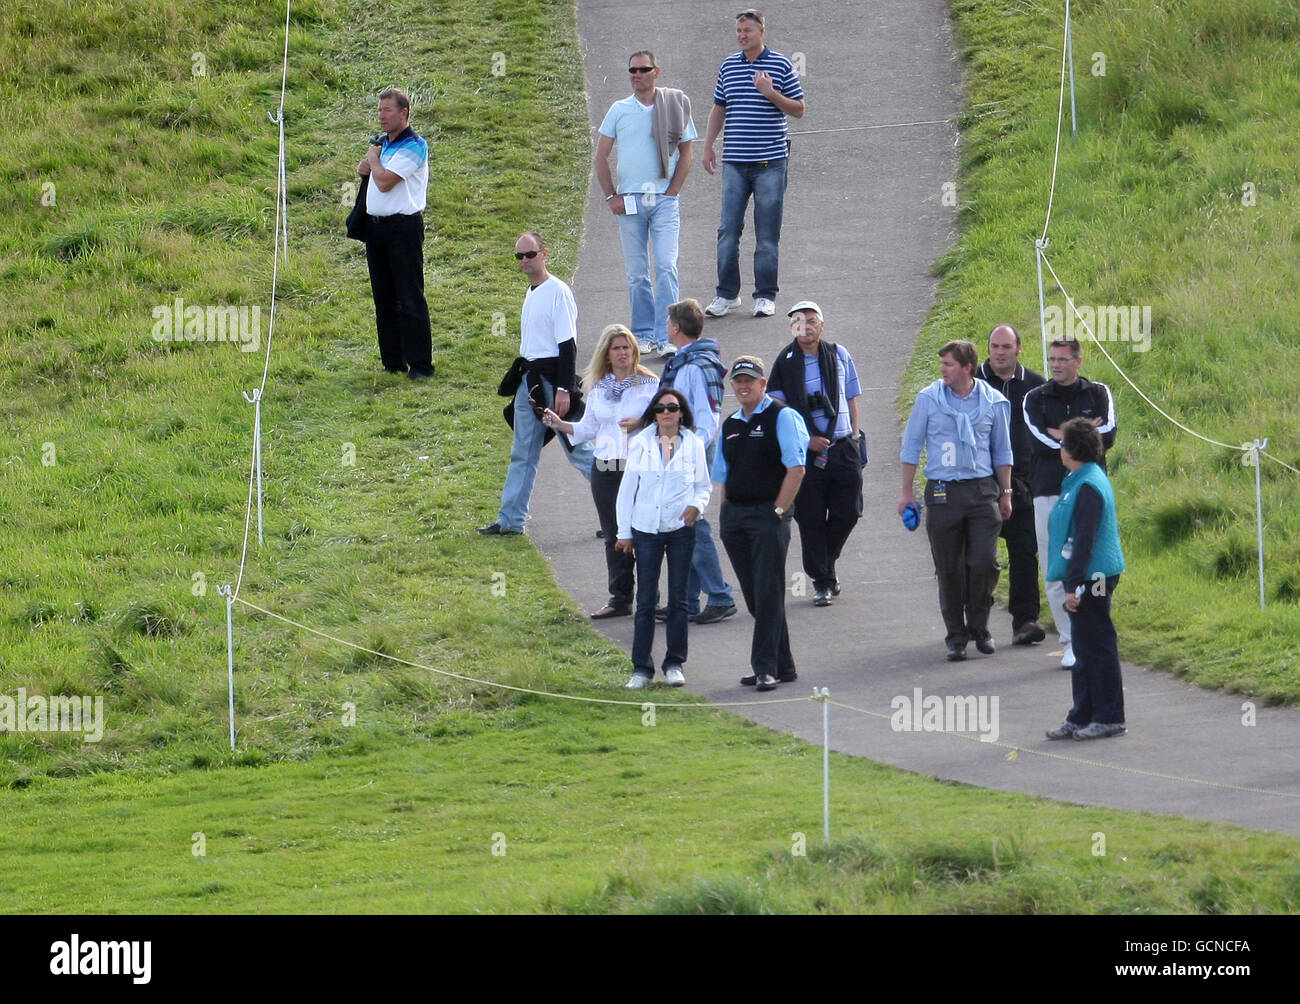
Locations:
(1069, 57)
(508, 686)
(1251, 451)
(1069, 300)
(248, 518)
(1056, 156)
(280, 235)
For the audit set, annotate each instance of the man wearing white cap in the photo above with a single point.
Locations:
(817, 379)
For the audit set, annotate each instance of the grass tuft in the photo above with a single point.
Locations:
(152, 620)
(713, 897)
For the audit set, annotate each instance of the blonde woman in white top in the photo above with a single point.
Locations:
(665, 488)
(617, 389)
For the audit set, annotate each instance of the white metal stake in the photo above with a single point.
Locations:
(229, 594)
(256, 401)
(1259, 444)
(1069, 58)
(822, 695)
(1041, 245)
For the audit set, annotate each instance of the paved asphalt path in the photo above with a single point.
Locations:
(864, 221)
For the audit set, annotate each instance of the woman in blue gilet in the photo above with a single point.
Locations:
(1085, 556)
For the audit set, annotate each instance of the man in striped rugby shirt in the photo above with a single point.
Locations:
(757, 88)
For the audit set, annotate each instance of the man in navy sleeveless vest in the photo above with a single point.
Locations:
(760, 466)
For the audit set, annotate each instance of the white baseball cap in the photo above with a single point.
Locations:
(805, 305)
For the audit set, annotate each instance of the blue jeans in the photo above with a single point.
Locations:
(526, 453)
(650, 549)
(657, 220)
(706, 570)
(765, 181)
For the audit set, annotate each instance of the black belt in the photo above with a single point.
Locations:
(393, 217)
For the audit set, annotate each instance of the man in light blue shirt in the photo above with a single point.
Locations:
(964, 425)
(654, 132)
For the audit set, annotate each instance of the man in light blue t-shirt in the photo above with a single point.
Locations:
(654, 132)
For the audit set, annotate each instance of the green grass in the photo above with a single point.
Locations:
(120, 530)
(1198, 100)
(122, 500)
(539, 808)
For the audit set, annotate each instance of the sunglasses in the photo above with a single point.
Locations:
(672, 409)
(641, 69)
(521, 255)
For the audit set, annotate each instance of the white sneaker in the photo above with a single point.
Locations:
(763, 307)
(721, 305)
(674, 676)
(1067, 657)
(639, 681)
(667, 349)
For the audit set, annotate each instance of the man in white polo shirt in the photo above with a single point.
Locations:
(398, 168)
(654, 131)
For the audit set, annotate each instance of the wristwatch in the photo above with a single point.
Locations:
(780, 512)
(1008, 491)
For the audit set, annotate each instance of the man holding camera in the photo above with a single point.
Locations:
(397, 165)
(818, 379)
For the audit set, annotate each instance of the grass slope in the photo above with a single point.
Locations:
(117, 533)
(541, 809)
(1198, 99)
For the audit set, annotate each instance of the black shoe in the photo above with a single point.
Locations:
(611, 610)
(1029, 634)
(497, 530)
(748, 681)
(956, 651)
(787, 677)
(600, 534)
(395, 369)
(821, 597)
(661, 614)
(835, 589)
(420, 374)
(711, 614)
(765, 682)
(985, 643)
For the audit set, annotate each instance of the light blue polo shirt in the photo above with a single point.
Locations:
(628, 123)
